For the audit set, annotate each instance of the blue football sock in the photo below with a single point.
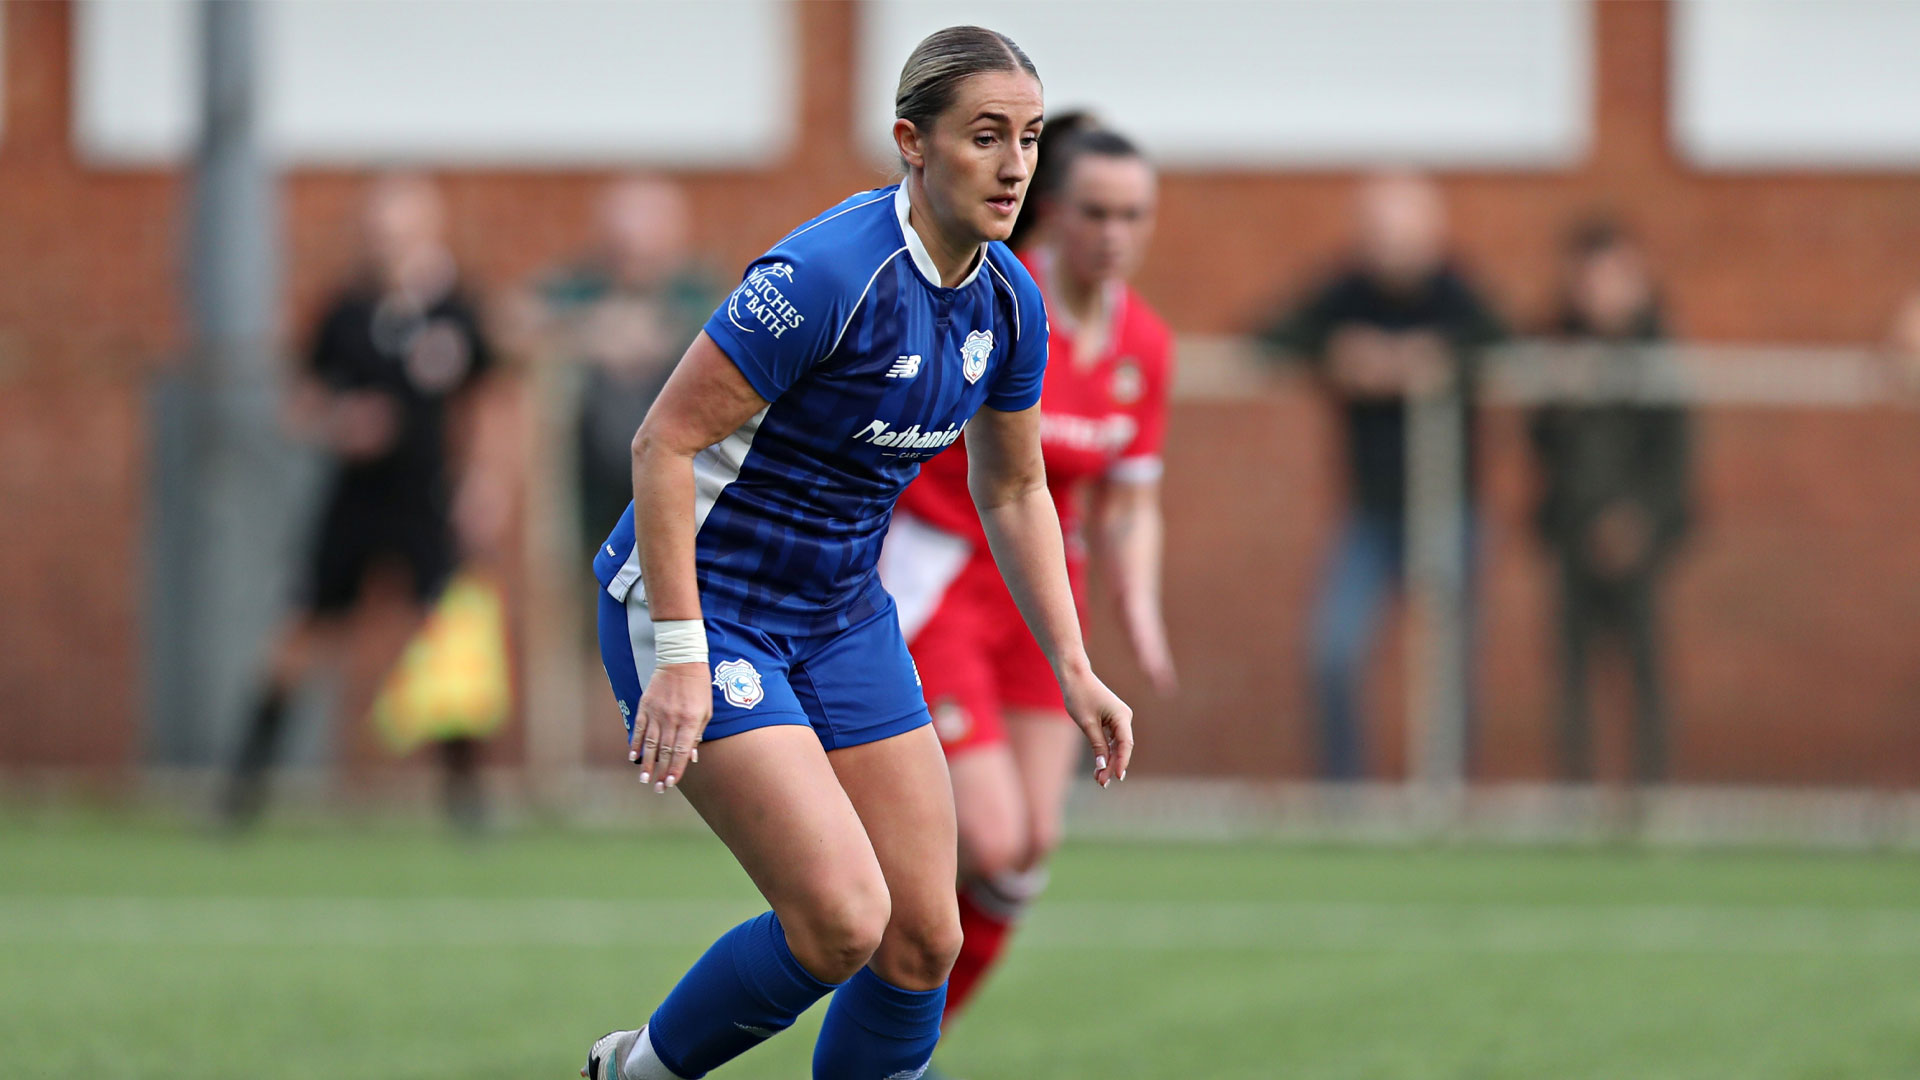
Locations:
(876, 1031)
(745, 989)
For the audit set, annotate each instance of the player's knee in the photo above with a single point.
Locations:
(835, 934)
(1041, 845)
(921, 947)
(995, 849)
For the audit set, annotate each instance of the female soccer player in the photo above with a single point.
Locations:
(995, 707)
(741, 591)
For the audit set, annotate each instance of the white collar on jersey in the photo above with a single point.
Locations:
(922, 261)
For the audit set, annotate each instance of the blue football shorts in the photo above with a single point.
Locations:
(852, 686)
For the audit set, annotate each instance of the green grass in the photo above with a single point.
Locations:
(139, 950)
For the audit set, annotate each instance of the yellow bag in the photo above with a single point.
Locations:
(451, 681)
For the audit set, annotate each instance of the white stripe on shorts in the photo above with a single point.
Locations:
(640, 634)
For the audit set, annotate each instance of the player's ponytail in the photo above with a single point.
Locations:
(931, 79)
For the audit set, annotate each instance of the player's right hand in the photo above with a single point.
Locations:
(674, 711)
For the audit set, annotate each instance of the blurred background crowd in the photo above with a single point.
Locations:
(245, 355)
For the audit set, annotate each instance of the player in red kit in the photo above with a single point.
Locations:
(995, 704)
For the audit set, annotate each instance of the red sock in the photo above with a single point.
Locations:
(984, 934)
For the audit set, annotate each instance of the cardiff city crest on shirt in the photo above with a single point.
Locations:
(1128, 385)
(740, 682)
(973, 354)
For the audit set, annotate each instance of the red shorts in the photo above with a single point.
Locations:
(974, 652)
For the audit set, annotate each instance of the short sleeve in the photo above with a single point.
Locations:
(785, 317)
(1017, 386)
(1140, 462)
(1303, 330)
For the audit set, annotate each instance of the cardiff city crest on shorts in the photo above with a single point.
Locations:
(973, 354)
(740, 682)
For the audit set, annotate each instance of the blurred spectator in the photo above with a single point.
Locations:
(1616, 501)
(625, 313)
(1398, 320)
(386, 392)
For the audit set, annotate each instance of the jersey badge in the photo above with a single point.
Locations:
(973, 354)
(740, 682)
(1128, 384)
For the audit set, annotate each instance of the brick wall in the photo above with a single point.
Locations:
(1791, 620)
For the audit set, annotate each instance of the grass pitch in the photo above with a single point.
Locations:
(140, 950)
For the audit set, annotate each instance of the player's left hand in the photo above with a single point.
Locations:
(1106, 721)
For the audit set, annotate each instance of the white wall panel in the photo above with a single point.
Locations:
(1797, 83)
(479, 81)
(135, 78)
(1304, 83)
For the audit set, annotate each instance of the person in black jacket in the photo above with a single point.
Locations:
(389, 393)
(1399, 319)
(1615, 506)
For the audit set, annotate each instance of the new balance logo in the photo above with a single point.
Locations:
(905, 368)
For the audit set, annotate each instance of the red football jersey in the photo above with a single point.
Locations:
(1100, 416)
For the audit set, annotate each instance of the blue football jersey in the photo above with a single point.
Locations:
(870, 367)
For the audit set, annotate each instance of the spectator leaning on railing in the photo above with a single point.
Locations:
(1615, 504)
(1398, 319)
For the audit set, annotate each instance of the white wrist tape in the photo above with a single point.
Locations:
(679, 641)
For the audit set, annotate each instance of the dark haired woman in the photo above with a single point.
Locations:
(1000, 717)
(1062, 128)
(741, 592)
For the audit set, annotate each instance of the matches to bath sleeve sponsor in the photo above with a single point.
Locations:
(776, 324)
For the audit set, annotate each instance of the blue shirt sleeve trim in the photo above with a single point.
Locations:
(733, 349)
(1018, 404)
